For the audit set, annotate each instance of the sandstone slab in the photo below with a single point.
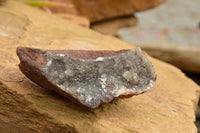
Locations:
(168, 107)
(98, 10)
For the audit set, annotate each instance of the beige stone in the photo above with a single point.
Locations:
(25, 107)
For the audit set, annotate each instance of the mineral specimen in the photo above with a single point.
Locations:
(89, 78)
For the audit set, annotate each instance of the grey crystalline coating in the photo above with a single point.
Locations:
(100, 80)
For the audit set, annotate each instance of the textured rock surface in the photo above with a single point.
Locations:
(169, 32)
(89, 77)
(98, 10)
(167, 107)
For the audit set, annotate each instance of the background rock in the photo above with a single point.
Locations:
(98, 10)
(168, 107)
(107, 17)
(169, 32)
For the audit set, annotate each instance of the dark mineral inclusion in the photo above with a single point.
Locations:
(89, 77)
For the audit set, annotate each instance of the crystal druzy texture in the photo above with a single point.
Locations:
(89, 77)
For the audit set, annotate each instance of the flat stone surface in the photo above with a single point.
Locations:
(172, 27)
(89, 77)
(167, 107)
